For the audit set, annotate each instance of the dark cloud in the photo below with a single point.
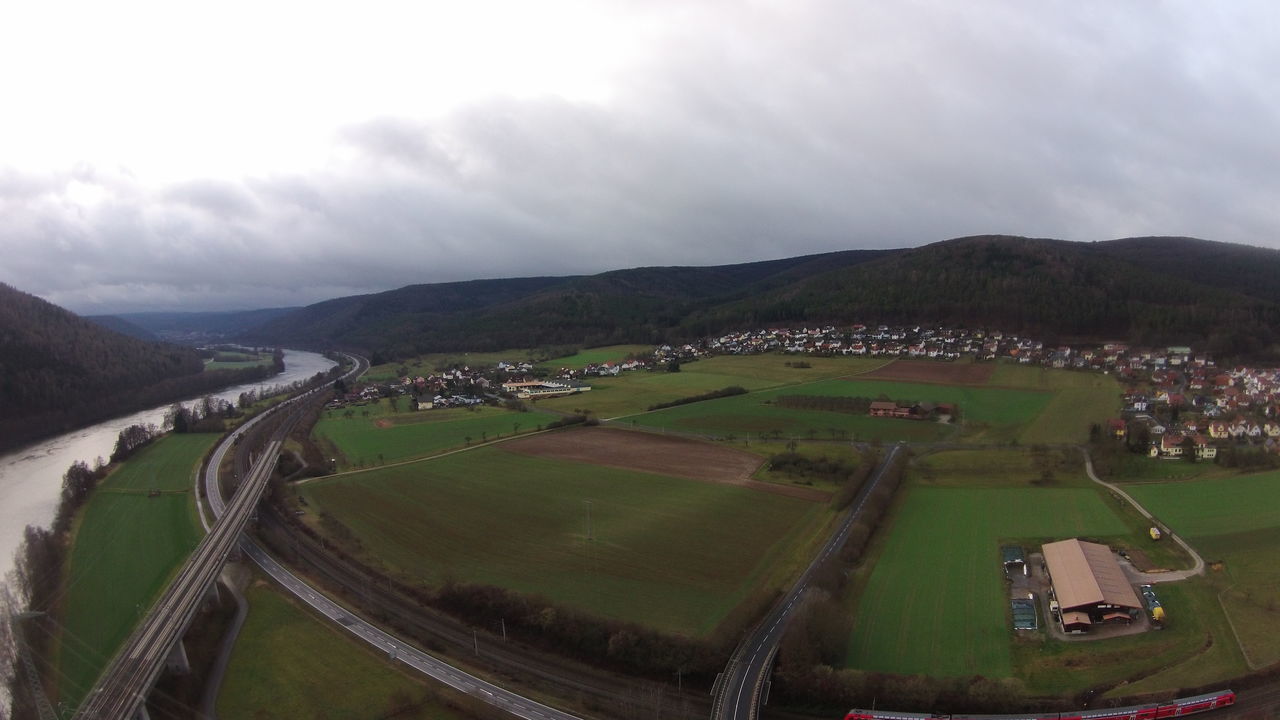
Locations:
(757, 132)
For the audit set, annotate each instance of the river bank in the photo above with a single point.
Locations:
(31, 477)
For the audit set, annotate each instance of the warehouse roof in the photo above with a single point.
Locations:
(1086, 573)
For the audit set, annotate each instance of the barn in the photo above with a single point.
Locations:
(1089, 585)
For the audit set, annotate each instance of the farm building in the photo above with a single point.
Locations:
(544, 388)
(1014, 559)
(1089, 585)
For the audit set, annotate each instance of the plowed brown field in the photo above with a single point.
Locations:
(661, 454)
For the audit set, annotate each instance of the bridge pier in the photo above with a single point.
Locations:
(212, 597)
(141, 713)
(177, 662)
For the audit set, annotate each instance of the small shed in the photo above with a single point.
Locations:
(1014, 559)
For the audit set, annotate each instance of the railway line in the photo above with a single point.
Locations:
(122, 688)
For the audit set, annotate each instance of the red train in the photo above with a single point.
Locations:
(1171, 708)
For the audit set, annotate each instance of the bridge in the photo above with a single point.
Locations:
(122, 688)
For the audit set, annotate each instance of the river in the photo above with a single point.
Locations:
(31, 477)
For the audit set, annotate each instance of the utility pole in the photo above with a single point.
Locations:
(589, 535)
(475, 640)
(43, 707)
(504, 628)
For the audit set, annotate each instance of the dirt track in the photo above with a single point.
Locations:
(933, 371)
(661, 454)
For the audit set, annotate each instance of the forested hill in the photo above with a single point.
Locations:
(1053, 288)
(639, 304)
(1244, 269)
(118, 324)
(59, 371)
(1156, 290)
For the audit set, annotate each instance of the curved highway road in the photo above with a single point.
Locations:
(395, 648)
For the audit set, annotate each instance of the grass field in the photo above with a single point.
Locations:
(583, 358)
(288, 664)
(633, 392)
(671, 553)
(935, 602)
(387, 436)
(225, 361)
(125, 547)
(1234, 520)
(1079, 400)
(988, 413)
(932, 598)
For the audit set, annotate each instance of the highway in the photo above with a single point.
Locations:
(122, 688)
(738, 691)
(396, 649)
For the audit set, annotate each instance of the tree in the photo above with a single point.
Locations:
(1188, 449)
(1139, 436)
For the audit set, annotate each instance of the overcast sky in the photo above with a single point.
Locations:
(235, 155)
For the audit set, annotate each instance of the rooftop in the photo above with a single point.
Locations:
(1086, 573)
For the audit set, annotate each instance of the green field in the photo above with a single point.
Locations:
(126, 545)
(932, 599)
(237, 361)
(671, 553)
(633, 392)
(384, 436)
(935, 602)
(288, 664)
(581, 359)
(1234, 520)
(1079, 399)
(987, 413)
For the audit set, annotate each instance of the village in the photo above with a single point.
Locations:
(1177, 403)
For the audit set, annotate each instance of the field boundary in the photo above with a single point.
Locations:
(427, 458)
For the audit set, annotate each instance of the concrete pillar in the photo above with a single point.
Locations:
(211, 596)
(177, 662)
(141, 714)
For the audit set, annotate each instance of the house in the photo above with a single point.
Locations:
(1117, 428)
(1168, 446)
(1218, 430)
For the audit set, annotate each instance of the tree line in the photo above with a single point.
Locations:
(714, 394)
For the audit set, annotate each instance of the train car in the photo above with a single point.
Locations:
(1168, 709)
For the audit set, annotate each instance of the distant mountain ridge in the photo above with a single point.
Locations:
(1156, 290)
(194, 328)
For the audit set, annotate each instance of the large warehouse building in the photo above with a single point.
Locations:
(1089, 585)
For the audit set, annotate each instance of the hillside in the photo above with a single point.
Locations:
(59, 371)
(639, 304)
(1150, 290)
(1053, 288)
(1243, 269)
(122, 326)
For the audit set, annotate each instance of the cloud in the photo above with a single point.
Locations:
(723, 134)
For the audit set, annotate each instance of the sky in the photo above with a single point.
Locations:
(236, 155)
